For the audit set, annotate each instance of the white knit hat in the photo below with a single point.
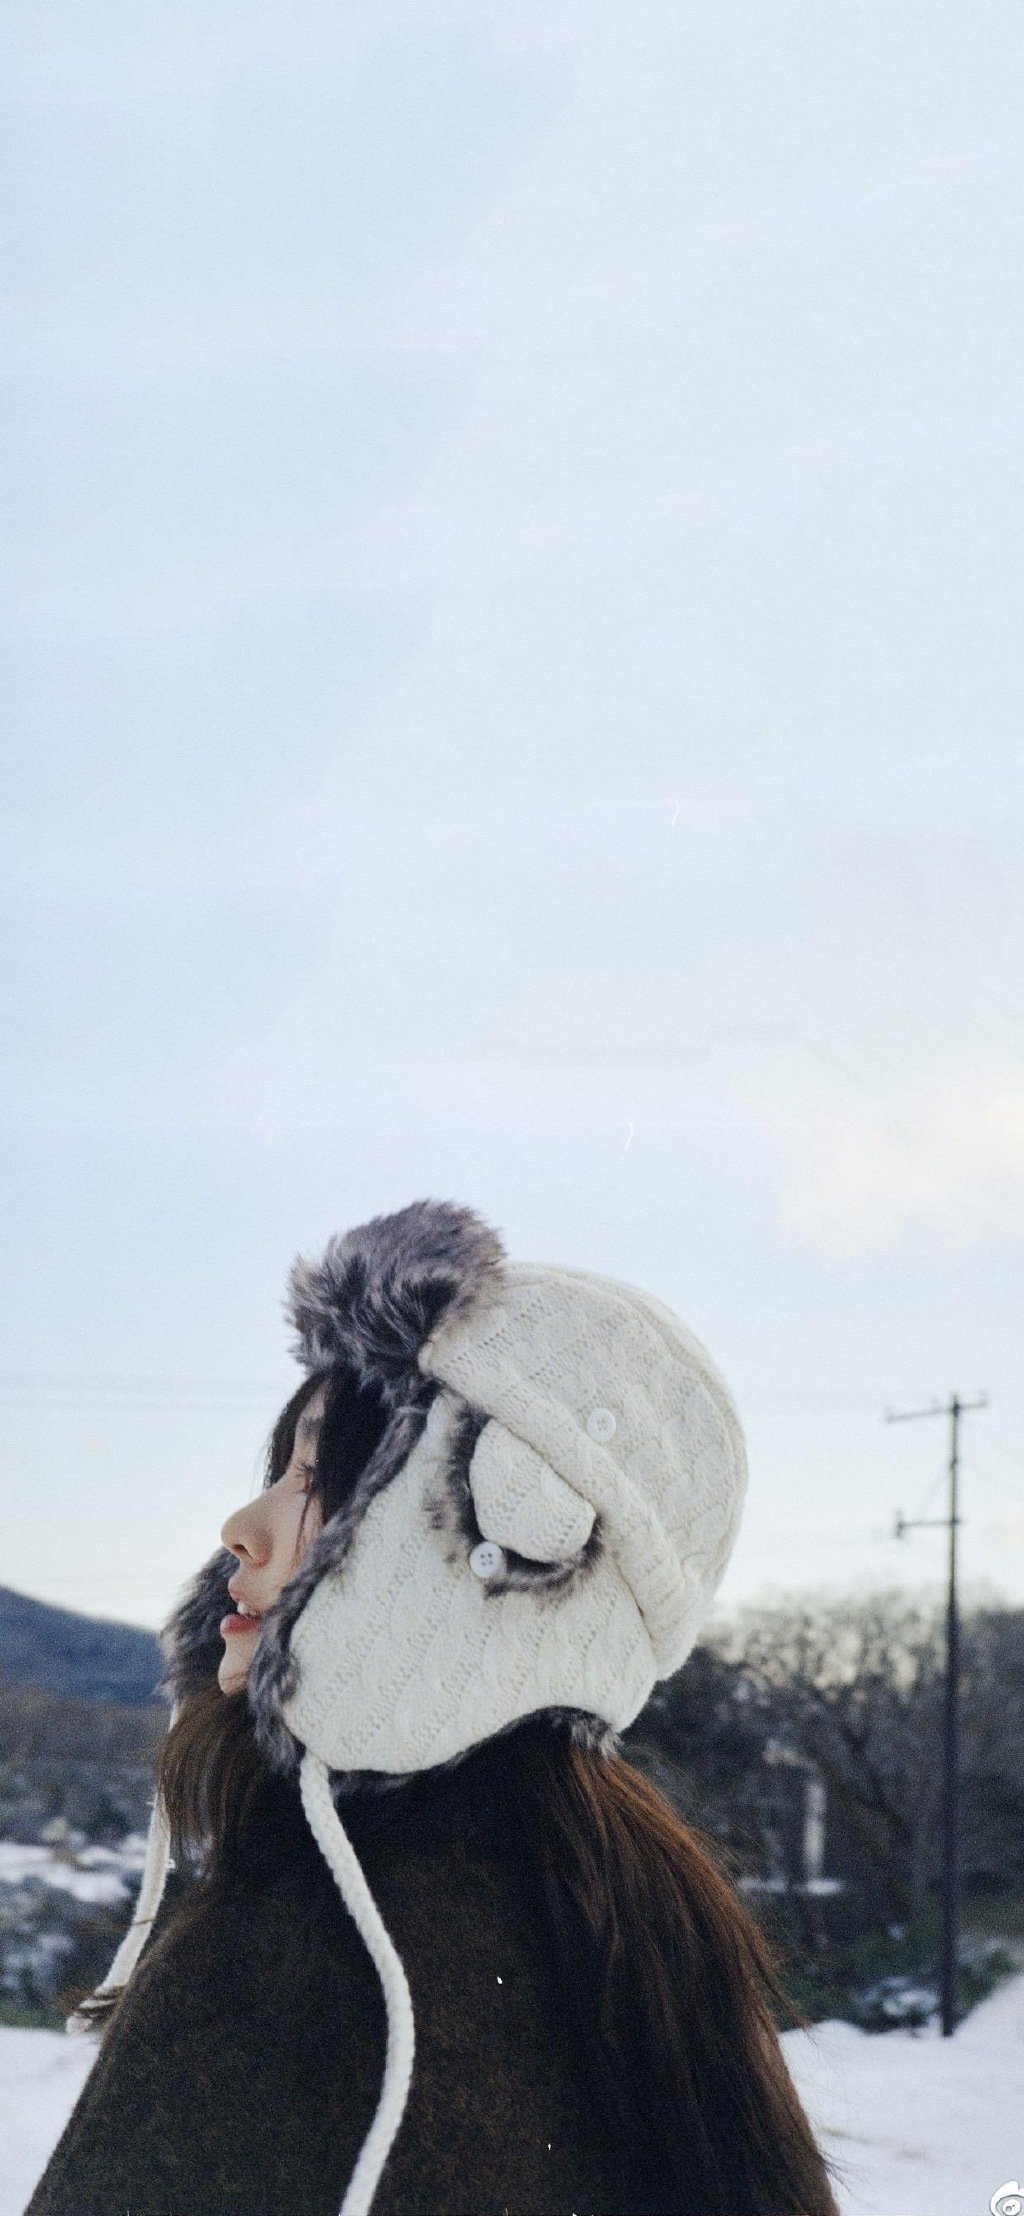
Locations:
(541, 1527)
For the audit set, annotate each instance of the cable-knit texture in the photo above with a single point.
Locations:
(614, 1543)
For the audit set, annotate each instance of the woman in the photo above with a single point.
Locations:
(496, 1513)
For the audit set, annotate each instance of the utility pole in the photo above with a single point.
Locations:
(954, 1409)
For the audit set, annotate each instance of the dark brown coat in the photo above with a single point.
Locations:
(242, 2072)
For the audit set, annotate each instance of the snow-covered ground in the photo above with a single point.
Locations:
(925, 2126)
(101, 1874)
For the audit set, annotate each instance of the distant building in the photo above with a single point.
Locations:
(793, 1825)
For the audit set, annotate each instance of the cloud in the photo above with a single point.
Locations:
(946, 1160)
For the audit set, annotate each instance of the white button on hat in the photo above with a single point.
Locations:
(487, 1558)
(600, 1423)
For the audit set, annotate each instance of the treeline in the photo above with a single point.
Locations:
(813, 1729)
(856, 1687)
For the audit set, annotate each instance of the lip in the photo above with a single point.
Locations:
(236, 1591)
(230, 1626)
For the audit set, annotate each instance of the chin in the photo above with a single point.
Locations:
(230, 1678)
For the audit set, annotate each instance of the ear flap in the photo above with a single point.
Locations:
(521, 1502)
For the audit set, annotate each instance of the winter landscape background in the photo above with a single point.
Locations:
(512, 693)
(803, 1744)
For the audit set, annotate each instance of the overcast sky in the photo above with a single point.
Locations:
(513, 695)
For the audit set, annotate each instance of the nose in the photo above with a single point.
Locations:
(244, 1533)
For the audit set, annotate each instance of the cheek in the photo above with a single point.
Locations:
(306, 1527)
(296, 1525)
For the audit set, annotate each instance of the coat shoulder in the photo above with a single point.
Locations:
(243, 2070)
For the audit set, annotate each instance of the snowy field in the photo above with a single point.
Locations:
(88, 1873)
(924, 2126)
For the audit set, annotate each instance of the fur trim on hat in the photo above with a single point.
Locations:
(191, 1640)
(451, 1511)
(379, 1290)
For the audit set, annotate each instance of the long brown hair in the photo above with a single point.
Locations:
(671, 1984)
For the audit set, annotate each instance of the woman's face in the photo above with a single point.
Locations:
(270, 1535)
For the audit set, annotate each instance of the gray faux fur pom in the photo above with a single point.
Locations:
(379, 1290)
(191, 1640)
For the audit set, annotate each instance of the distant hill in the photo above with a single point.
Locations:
(82, 1655)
